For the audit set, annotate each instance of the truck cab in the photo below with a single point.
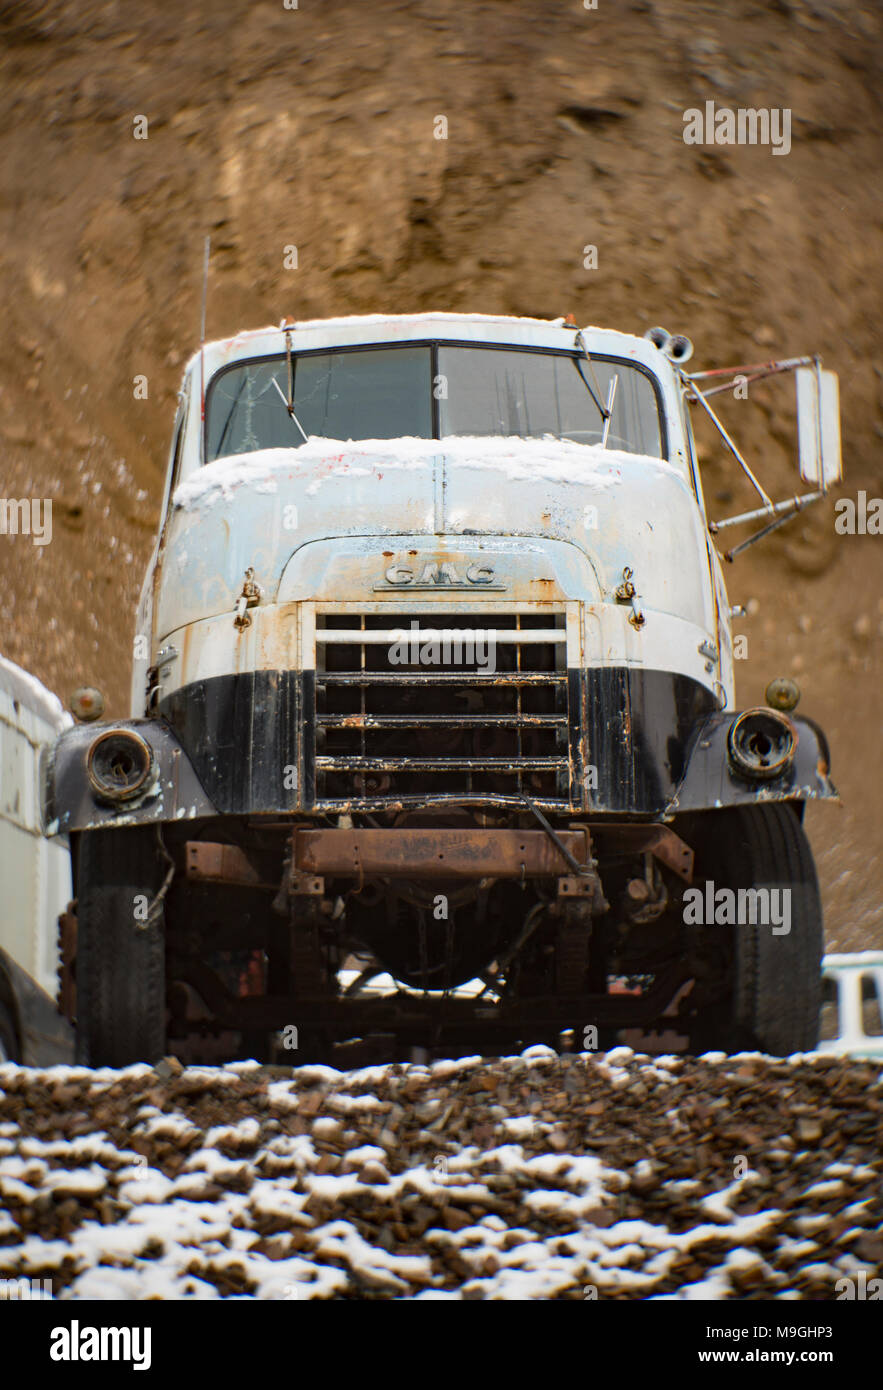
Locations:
(433, 679)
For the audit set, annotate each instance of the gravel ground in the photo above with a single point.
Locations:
(539, 1176)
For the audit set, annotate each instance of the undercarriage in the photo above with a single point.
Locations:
(449, 929)
(475, 929)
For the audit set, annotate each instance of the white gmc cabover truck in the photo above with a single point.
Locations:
(433, 680)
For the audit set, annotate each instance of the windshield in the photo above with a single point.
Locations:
(428, 392)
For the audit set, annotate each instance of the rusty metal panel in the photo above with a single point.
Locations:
(673, 852)
(219, 863)
(658, 840)
(437, 853)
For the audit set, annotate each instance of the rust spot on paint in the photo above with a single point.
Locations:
(184, 658)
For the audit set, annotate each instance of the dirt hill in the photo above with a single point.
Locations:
(316, 127)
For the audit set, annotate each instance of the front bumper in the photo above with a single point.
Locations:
(630, 744)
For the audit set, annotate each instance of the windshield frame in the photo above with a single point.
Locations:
(434, 344)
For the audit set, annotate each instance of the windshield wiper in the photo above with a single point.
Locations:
(602, 411)
(288, 401)
(611, 393)
(290, 408)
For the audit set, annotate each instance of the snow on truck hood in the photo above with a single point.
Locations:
(517, 459)
(259, 510)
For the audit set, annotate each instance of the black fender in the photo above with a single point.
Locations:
(710, 781)
(173, 793)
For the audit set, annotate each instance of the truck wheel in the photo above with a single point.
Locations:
(8, 1044)
(774, 981)
(120, 969)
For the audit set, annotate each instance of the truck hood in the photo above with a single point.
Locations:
(262, 509)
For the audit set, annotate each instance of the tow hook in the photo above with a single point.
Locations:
(626, 593)
(250, 597)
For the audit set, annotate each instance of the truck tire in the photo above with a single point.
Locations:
(120, 967)
(8, 1041)
(775, 981)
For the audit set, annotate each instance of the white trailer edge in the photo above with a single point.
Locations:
(35, 878)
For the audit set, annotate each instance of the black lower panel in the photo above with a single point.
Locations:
(636, 725)
(243, 735)
(252, 739)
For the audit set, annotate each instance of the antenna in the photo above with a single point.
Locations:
(208, 246)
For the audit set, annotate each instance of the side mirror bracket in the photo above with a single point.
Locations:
(818, 436)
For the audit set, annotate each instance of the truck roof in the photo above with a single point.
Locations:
(360, 329)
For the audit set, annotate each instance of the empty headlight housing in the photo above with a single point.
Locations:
(119, 764)
(761, 743)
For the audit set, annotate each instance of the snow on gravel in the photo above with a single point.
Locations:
(531, 1177)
